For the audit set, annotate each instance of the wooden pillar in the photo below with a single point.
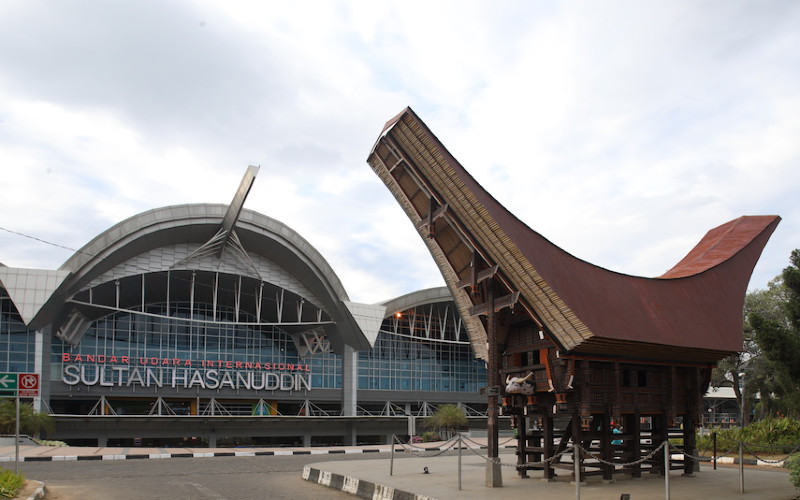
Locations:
(693, 418)
(522, 444)
(689, 442)
(537, 441)
(607, 450)
(547, 445)
(690, 420)
(616, 392)
(672, 412)
(633, 425)
(660, 434)
(493, 477)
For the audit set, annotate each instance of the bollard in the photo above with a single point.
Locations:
(741, 465)
(459, 461)
(714, 441)
(391, 459)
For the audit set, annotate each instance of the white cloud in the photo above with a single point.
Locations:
(621, 131)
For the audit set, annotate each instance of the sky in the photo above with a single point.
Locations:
(622, 131)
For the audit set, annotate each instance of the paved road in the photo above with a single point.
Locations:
(234, 478)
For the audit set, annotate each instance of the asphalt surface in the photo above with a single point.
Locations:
(441, 481)
(273, 477)
(278, 473)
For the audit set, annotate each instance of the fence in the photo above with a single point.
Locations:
(460, 442)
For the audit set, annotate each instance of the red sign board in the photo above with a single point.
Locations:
(28, 385)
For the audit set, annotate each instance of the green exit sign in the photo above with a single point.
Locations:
(25, 385)
(8, 381)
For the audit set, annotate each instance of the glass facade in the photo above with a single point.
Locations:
(402, 363)
(199, 343)
(173, 335)
(422, 348)
(17, 343)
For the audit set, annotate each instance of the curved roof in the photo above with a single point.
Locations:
(693, 312)
(137, 245)
(196, 224)
(418, 298)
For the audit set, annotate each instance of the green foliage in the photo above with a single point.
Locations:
(791, 277)
(793, 464)
(50, 442)
(772, 435)
(430, 436)
(30, 421)
(769, 304)
(10, 483)
(777, 335)
(771, 355)
(447, 419)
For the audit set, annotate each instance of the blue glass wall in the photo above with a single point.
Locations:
(402, 363)
(17, 343)
(397, 362)
(153, 335)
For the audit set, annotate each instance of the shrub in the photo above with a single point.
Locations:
(50, 442)
(793, 464)
(430, 436)
(10, 483)
(727, 440)
(30, 421)
(447, 419)
(772, 435)
(782, 434)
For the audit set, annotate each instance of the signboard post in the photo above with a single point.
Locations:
(19, 384)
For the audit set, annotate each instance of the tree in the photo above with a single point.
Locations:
(30, 421)
(777, 336)
(765, 303)
(447, 419)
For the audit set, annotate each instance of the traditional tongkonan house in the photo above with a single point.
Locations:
(573, 350)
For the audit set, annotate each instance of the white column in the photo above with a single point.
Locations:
(349, 381)
(38, 367)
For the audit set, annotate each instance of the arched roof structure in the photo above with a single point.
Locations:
(417, 298)
(693, 312)
(184, 239)
(288, 259)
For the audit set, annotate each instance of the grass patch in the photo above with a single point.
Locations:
(10, 483)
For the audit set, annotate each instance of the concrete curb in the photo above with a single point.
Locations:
(358, 487)
(210, 454)
(214, 454)
(748, 461)
(311, 451)
(40, 492)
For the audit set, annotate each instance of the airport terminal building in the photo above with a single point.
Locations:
(219, 325)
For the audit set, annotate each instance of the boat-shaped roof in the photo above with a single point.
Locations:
(692, 313)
